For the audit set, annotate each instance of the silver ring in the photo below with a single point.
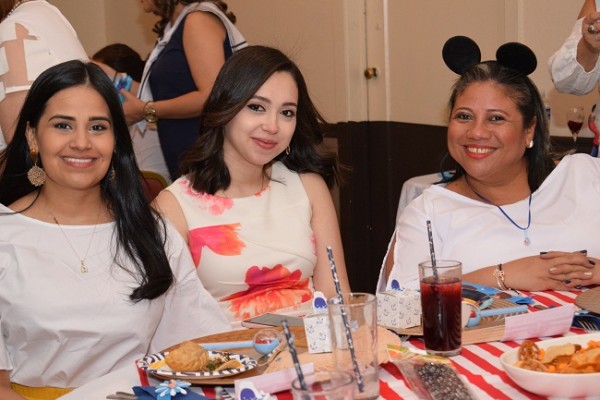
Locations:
(591, 29)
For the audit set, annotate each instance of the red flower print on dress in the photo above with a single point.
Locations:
(221, 239)
(269, 289)
(215, 205)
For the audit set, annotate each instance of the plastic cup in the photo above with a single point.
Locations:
(332, 385)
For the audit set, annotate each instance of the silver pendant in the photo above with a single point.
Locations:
(83, 268)
(526, 242)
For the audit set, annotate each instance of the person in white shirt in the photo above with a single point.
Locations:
(508, 214)
(91, 278)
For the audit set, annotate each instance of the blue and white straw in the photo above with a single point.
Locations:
(336, 281)
(294, 353)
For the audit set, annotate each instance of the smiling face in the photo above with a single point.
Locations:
(74, 138)
(265, 126)
(486, 134)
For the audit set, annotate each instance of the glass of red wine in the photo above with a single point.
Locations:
(575, 118)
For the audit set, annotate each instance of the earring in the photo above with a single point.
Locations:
(112, 175)
(36, 175)
(530, 145)
(287, 150)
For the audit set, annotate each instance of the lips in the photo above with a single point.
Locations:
(78, 162)
(479, 151)
(265, 144)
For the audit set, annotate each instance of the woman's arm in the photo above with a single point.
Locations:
(166, 204)
(203, 37)
(589, 44)
(325, 226)
(6, 393)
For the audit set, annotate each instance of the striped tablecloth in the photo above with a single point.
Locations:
(478, 363)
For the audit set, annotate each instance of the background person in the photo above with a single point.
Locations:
(121, 58)
(511, 217)
(83, 257)
(194, 40)
(34, 35)
(253, 203)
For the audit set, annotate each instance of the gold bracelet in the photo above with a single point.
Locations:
(499, 275)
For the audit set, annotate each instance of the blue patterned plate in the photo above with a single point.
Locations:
(156, 365)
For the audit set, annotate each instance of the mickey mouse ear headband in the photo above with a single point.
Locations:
(461, 53)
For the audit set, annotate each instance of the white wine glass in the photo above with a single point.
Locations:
(575, 118)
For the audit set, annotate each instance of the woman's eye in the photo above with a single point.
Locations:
(98, 127)
(62, 125)
(496, 118)
(289, 113)
(463, 116)
(256, 107)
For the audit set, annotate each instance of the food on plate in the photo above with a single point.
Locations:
(567, 358)
(192, 357)
(188, 356)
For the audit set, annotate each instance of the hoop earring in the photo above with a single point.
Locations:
(530, 145)
(36, 175)
(112, 175)
(287, 150)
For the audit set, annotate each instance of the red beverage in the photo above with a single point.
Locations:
(575, 126)
(441, 308)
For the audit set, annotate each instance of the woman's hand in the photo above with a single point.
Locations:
(132, 107)
(573, 270)
(588, 48)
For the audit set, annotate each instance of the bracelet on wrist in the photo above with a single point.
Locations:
(499, 274)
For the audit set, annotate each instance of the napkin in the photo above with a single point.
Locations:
(550, 322)
(148, 393)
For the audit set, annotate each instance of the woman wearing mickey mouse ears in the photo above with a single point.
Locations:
(509, 214)
(574, 67)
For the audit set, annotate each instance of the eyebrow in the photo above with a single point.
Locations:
(70, 118)
(289, 103)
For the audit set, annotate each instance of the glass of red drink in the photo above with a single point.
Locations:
(441, 297)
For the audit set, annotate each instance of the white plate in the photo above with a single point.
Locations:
(148, 364)
(553, 384)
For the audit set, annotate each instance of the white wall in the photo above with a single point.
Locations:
(330, 42)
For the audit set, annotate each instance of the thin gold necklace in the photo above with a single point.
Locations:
(82, 266)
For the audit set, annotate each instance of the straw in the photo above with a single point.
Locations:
(336, 281)
(432, 251)
(294, 353)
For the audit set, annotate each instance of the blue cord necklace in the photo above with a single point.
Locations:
(526, 241)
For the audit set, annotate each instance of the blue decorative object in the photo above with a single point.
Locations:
(396, 285)
(169, 389)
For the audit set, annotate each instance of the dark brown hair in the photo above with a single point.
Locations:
(166, 7)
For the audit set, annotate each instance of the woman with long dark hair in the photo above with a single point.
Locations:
(83, 257)
(254, 202)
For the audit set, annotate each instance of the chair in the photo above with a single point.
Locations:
(153, 184)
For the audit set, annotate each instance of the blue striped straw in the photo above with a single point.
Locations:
(294, 353)
(336, 281)
(432, 251)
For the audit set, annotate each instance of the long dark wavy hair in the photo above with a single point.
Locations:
(166, 7)
(239, 79)
(140, 231)
(531, 106)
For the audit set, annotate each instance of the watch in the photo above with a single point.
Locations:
(150, 113)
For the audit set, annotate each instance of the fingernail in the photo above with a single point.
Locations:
(592, 262)
(587, 274)
(583, 251)
(566, 282)
(552, 269)
(578, 287)
(543, 252)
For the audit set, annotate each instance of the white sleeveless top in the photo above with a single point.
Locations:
(254, 254)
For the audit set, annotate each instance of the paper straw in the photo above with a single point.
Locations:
(294, 353)
(432, 251)
(336, 281)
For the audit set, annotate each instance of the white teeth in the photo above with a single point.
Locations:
(78, 160)
(479, 150)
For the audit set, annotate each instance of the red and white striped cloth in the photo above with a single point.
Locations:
(478, 363)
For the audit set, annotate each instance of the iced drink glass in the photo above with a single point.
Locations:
(441, 298)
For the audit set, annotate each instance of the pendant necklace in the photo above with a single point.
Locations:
(525, 230)
(82, 266)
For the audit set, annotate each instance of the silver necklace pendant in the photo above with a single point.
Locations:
(526, 242)
(83, 268)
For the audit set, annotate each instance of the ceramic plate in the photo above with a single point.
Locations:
(553, 384)
(155, 365)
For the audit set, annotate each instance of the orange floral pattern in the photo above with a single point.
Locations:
(269, 289)
(214, 205)
(221, 239)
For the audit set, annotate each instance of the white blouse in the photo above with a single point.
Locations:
(61, 327)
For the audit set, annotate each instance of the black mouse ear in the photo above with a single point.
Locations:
(460, 53)
(517, 56)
